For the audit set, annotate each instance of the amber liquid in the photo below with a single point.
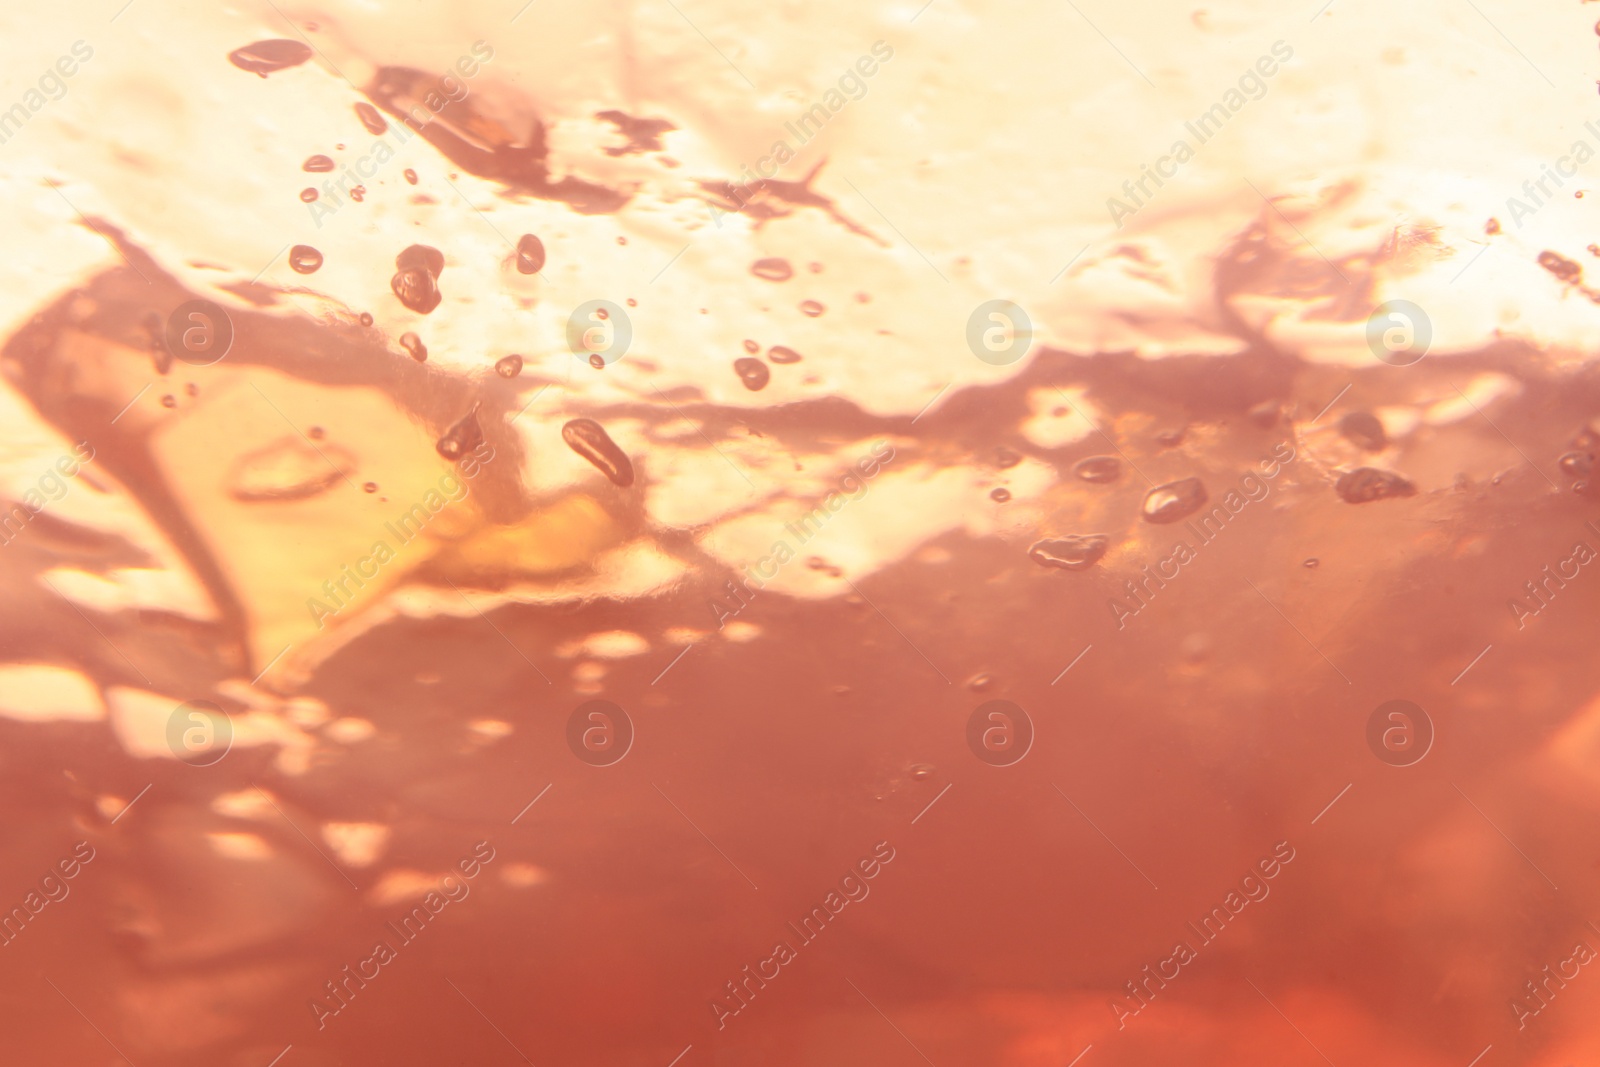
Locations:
(412, 655)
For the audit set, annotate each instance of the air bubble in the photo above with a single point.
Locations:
(773, 269)
(464, 437)
(268, 57)
(589, 439)
(1174, 500)
(370, 118)
(1071, 553)
(1099, 469)
(303, 259)
(530, 254)
(753, 373)
(1366, 484)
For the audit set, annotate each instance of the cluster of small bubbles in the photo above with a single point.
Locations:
(416, 289)
(1000, 496)
(317, 165)
(370, 118)
(772, 269)
(303, 259)
(413, 345)
(308, 194)
(753, 373)
(1561, 267)
(508, 366)
(811, 308)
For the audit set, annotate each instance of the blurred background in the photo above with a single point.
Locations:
(664, 533)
